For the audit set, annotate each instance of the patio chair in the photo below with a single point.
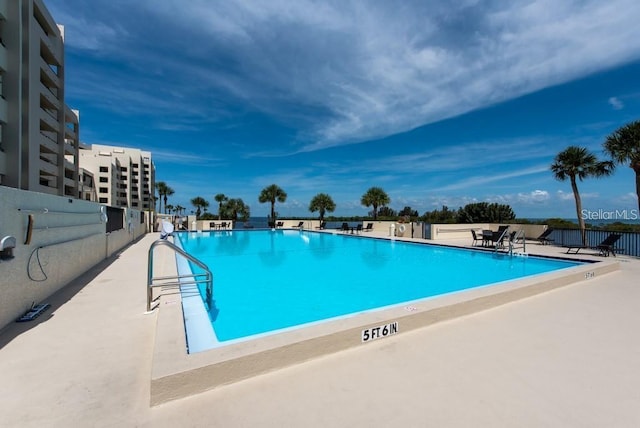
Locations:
(280, 224)
(212, 225)
(544, 237)
(476, 238)
(369, 227)
(322, 225)
(345, 227)
(497, 238)
(359, 228)
(223, 225)
(605, 248)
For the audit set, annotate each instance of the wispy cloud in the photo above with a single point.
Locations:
(616, 103)
(176, 156)
(353, 70)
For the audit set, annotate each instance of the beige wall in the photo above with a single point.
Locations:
(460, 231)
(68, 238)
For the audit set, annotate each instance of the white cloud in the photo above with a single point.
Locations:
(616, 103)
(568, 196)
(535, 196)
(354, 70)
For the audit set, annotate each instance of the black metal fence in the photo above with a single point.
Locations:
(629, 242)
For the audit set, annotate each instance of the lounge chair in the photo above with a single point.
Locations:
(300, 225)
(544, 237)
(280, 224)
(369, 227)
(322, 225)
(605, 248)
(359, 228)
(345, 227)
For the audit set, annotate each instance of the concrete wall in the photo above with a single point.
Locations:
(463, 231)
(67, 239)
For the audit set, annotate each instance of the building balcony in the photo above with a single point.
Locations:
(3, 10)
(69, 166)
(3, 163)
(48, 74)
(4, 111)
(72, 184)
(48, 143)
(3, 56)
(50, 96)
(48, 168)
(70, 133)
(51, 47)
(69, 149)
(47, 122)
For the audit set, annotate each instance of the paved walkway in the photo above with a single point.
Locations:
(567, 358)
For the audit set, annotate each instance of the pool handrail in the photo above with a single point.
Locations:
(208, 276)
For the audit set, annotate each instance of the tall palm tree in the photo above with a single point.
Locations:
(200, 203)
(179, 209)
(161, 187)
(169, 208)
(168, 191)
(577, 162)
(375, 197)
(272, 194)
(623, 145)
(322, 203)
(220, 198)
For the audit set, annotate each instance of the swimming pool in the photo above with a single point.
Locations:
(268, 281)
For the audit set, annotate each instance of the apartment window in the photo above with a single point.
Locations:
(123, 169)
(104, 190)
(104, 169)
(104, 179)
(135, 204)
(104, 200)
(135, 165)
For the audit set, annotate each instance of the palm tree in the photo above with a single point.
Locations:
(179, 209)
(161, 187)
(623, 145)
(168, 191)
(272, 194)
(577, 162)
(236, 207)
(322, 203)
(220, 198)
(169, 208)
(200, 203)
(375, 197)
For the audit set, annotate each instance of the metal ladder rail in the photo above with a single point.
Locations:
(512, 246)
(208, 276)
(505, 234)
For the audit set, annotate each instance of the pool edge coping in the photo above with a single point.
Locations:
(176, 374)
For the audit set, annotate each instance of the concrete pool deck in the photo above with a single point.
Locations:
(563, 358)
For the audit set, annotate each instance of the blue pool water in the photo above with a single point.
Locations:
(268, 280)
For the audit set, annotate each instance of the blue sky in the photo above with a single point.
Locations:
(438, 104)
